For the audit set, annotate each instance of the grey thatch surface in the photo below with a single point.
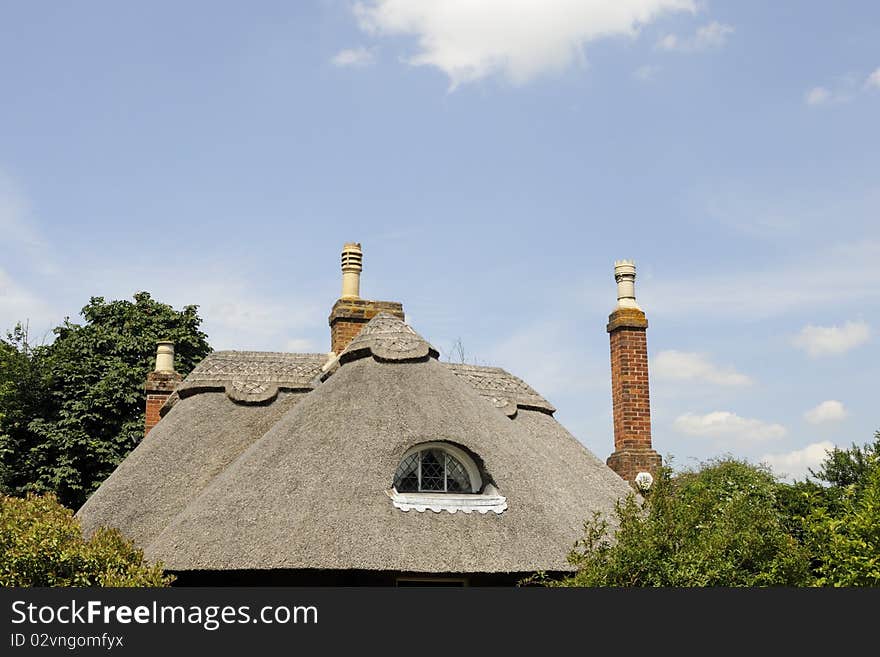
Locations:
(502, 388)
(388, 338)
(200, 437)
(311, 493)
(250, 377)
(302, 482)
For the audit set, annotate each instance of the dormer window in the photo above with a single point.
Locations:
(432, 470)
(442, 477)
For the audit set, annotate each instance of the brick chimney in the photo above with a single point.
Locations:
(627, 328)
(161, 382)
(350, 312)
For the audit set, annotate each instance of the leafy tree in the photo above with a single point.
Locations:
(717, 526)
(87, 410)
(849, 467)
(22, 398)
(842, 529)
(41, 544)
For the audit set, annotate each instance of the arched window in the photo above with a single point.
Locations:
(442, 477)
(437, 468)
(431, 471)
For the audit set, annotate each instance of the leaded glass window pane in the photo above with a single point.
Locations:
(457, 480)
(406, 479)
(433, 470)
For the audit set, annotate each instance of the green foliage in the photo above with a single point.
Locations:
(70, 411)
(41, 544)
(842, 528)
(718, 526)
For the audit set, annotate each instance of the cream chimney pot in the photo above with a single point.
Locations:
(625, 275)
(352, 265)
(165, 356)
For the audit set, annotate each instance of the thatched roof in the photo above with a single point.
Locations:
(303, 481)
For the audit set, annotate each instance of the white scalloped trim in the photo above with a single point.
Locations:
(452, 503)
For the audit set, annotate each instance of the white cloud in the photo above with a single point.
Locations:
(828, 411)
(727, 426)
(831, 340)
(688, 366)
(353, 57)
(846, 89)
(796, 464)
(713, 35)
(645, 73)
(519, 39)
(669, 42)
(817, 96)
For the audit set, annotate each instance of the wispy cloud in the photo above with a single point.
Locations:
(646, 72)
(18, 227)
(831, 340)
(469, 41)
(724, 426)
(689, 366)
(356, 57)
(846, 89)
(817, 96)
(537, 353)
(840, 275)
(797, 463)
(18, 304)
(828, 411)
(707, 37)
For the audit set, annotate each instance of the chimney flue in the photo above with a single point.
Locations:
(625, 275)
(161, 383)
(352, 265)
(627, 329)
(165, 356)
(350, 312)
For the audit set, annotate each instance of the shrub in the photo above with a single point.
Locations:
(42, 544)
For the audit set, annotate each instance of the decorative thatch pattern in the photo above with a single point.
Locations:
(504, 390)
(388, 338)
(252, 377)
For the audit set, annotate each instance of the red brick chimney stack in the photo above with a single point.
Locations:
(627, 328)
(350, 312)
(161, 382)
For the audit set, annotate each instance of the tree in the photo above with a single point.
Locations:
(41, 544)
(22, 398)
(843, 527)
(87, 410)
(717, 526)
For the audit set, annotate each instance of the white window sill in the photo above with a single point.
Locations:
(489, 501)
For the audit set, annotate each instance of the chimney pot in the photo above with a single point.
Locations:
(625, 275)
(164, 356)
(161, 383)
(352, 265)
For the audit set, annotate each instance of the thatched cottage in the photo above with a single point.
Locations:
(375, 464)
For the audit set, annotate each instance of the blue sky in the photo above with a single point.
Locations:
(494, 158)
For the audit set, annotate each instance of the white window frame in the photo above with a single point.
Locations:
(489, 500)
(473, 472)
